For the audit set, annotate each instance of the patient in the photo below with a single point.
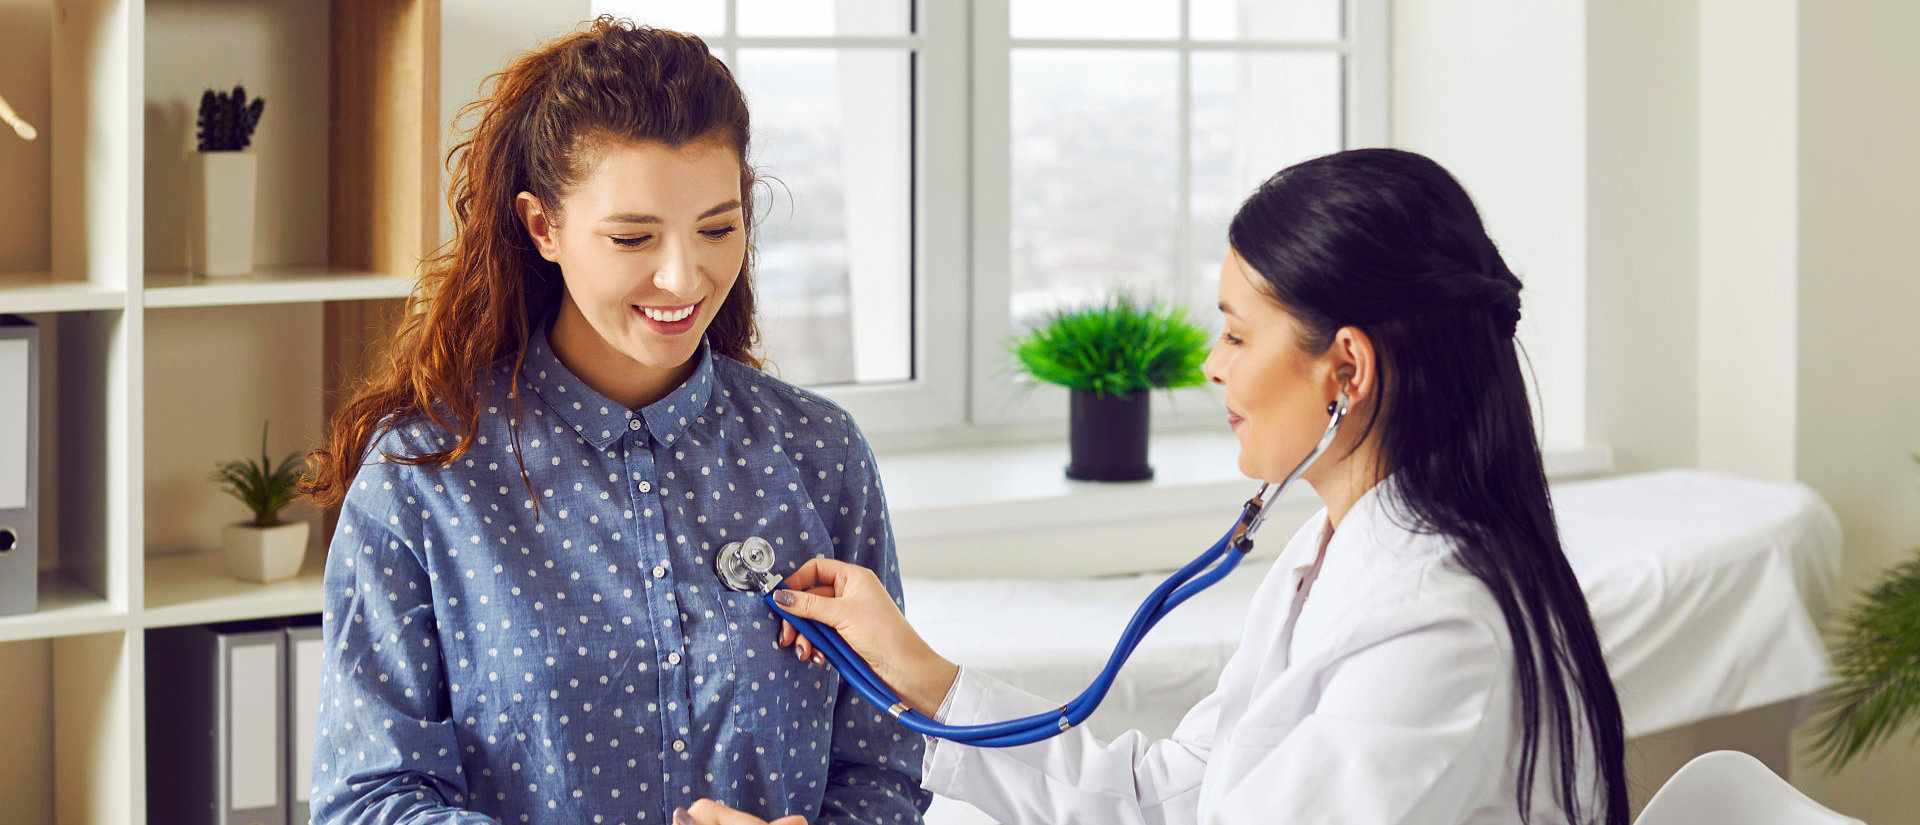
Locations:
(522, 617)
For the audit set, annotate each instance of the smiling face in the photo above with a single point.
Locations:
(649, 243)
(1276, 391)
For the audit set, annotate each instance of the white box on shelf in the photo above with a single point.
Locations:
(226, 183)
(19, 465)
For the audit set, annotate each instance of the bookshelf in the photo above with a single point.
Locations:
(150, 374)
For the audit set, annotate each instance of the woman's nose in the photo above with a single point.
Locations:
(1211, 367)
(677, 270)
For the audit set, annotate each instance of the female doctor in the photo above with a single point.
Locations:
(1420, 652)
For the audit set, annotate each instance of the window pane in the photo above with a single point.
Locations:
(1265, 19)
(707, 18)
(832, 140)
(1253, 115)
(824, 18)
(1095, 176)
(1095, 19)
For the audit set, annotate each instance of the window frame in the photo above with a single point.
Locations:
(935, 397)
(998, 401)
(961, 389)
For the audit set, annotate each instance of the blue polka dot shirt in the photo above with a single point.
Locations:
(570, 656)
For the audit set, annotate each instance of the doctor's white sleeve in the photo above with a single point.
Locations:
(1073, 777)
(1411, 728)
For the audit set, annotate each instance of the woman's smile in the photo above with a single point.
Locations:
(678, 320)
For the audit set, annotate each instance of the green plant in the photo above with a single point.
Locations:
(1115, 347)
(263, 487)
(1877, 668)
(227, 120)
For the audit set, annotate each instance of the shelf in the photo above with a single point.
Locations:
(195, 588)
(23, 292)
(290, 285)
(67, 608)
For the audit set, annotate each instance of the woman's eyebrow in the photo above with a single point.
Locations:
(635, 217)
(1227, 310)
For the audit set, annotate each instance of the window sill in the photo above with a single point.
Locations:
(976, 490)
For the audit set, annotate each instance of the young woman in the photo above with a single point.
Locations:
(1420, 652)
(522, 616)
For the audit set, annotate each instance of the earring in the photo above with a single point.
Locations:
(1331, 406)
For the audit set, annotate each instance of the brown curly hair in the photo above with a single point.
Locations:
(540, 130)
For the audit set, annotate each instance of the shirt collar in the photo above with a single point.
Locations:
(1379, 528)
(601, 421)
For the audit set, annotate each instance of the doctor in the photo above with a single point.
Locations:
(1420, 652)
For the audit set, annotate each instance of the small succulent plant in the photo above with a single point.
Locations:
(263, 486)
(227, 120)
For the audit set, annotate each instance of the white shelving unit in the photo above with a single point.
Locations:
(151, 374)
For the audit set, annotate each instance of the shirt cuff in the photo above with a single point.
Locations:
(946, 703)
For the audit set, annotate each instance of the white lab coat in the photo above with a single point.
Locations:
(1381, 692)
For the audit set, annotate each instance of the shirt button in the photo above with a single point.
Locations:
(633, 423)
(673, 658)
(646, 486)
(679, 745)
(659, 571)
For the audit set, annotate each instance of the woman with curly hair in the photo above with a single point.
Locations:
(522, 618)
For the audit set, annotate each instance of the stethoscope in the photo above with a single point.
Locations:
(748, 566)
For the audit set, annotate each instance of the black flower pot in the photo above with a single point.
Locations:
(1109, 437)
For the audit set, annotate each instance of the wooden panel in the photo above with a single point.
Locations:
(97, 737)
(356, 338)
(384, 133)
(384, 147)
(26, 740)
(357, 334)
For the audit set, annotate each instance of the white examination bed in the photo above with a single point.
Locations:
(1707, 590)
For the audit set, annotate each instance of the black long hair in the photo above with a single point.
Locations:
(1386, 241)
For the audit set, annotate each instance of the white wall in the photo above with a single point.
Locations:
(1495, 91)
(1641, 231)
(1858, 378)
(1748, 206)
(1747, 183)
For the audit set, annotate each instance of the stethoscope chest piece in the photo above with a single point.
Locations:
(747, 565)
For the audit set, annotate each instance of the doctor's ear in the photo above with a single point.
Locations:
(1354, 366)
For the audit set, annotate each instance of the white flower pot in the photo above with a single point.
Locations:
(224, 236)
(264, 554)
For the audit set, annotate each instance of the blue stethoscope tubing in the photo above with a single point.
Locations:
(1203, 572)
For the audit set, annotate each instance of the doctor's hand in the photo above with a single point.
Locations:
(709, 812)
(851, 600)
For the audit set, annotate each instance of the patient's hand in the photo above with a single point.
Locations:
(851, 599)
(709, 812)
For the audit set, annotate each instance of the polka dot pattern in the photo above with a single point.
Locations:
(570, 655)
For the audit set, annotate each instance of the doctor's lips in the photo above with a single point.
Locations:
(670, 320)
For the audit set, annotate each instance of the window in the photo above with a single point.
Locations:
(942, 172)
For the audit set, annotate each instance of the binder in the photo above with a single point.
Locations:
(216, 724)
(19, 465)
(304, 650)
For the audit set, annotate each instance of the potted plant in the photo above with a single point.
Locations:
(264, 548)
(1876, 666)
(1108, 356)
(225, 177)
